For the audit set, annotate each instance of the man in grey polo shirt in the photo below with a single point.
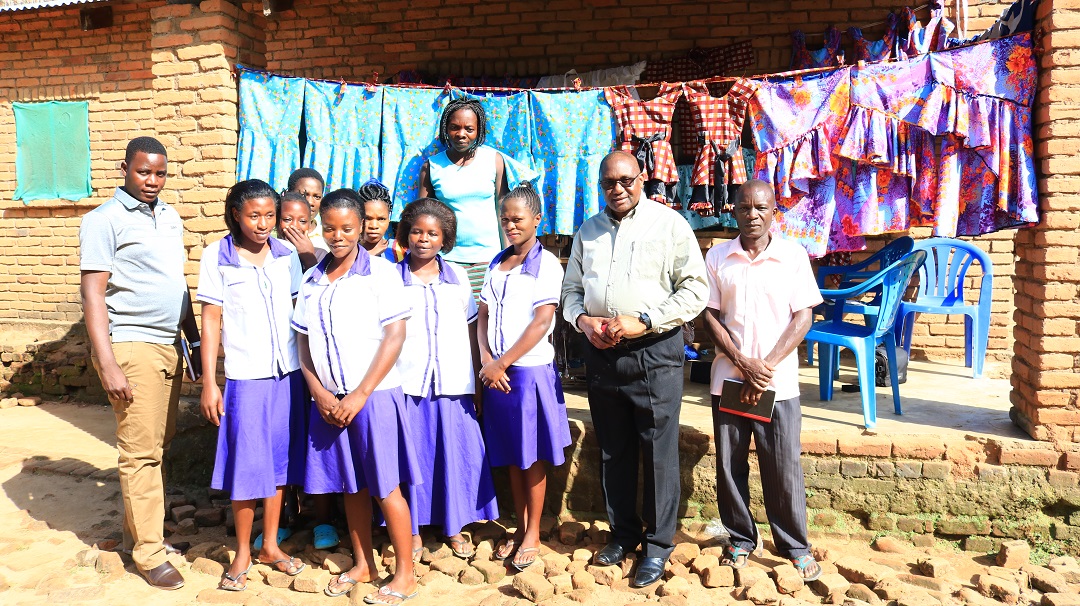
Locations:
(135, 300)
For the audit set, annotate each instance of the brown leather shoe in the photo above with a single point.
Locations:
(165, 576)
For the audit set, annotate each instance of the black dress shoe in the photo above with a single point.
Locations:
(610, 555)
(165, 576)
(649, 571)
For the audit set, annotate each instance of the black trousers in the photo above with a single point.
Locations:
(635, 395)
(779, 445)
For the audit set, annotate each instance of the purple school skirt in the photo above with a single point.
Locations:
(457, 487)
(529, 423)
(372, 452)
(259, 444)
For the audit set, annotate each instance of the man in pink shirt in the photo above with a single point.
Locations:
(761, 296)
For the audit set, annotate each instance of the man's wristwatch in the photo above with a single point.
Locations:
(644, 318)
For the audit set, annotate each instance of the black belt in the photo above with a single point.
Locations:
(645, 340)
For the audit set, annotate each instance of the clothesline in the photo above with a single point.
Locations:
(715, 79)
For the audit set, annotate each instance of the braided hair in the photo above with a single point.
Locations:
(525, 192)
(456, 105)
(374, 190)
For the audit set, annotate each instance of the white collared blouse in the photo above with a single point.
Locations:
(256, 307)
(513, 296)
(437, 356)
(344, 320)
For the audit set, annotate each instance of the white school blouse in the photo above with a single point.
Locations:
(512, 296)
(256, 305)
(344, 320)
(437, 353)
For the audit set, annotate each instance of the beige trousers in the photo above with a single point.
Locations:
(144, 428)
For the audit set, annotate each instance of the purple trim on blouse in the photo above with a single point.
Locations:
(531, 264)
(361, 267)
(229, 255)
(446, 274)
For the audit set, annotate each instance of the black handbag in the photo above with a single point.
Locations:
(881, 366)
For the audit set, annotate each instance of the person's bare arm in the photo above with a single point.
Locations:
(474, 348)
(493, 373)
(757, 373)
(384, 359)
(213, 408)
(325, 402)
(92, 285)
(793, 334)
(191, 331)
(426, 189)
(501, 188)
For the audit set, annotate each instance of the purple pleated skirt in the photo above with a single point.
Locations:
(529, 423)
(260, 441)
(372, 452)
(457, 487)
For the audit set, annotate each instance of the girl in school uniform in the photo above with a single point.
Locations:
(437, 375)
(524, 412)
(377, 207)
(358, 435)
(294, 224)
(310, 184)
(247, 282)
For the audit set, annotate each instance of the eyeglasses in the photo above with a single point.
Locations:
(626, 182)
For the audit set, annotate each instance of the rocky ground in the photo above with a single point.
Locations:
(59, 525)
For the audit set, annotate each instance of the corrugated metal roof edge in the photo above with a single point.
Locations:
(24, 5)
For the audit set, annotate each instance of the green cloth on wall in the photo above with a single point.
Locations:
(52, 157)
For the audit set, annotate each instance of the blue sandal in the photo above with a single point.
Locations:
(325, 537)
(282, 534)
(735, 557)
(806, 563)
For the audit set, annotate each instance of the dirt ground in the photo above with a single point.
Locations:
(54, 507)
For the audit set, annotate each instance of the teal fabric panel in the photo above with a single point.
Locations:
(52, 159)
(271, 108)
(343, 124)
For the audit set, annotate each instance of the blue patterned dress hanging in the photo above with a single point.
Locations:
(270, 111)
(343, 123)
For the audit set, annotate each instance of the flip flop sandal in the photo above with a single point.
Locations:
(523, 565)
(282, 534)
(341, 579)
(804, 563)
(325, 537)
(235, 580)
(416, 553)
(735, 557)
(454, 543)
(506, 550)
(379, 597)
(292, 564)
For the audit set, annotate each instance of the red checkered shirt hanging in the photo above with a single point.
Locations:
(698, 64)
(718, 121)
(644, 125)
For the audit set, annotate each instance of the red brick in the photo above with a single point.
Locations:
(866, 446)
(917, 447)
(818, 443)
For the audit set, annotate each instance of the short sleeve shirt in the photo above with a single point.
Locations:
(512, 298)
(437, 355)
(143, 251)
(344, 320)
(256, 307)
(757, 299)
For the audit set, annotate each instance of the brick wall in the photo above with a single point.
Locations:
(163, 69)
(44, 55)
(1046, 382)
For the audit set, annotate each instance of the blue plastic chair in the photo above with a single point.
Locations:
(850, 275)
(862, 339)
(941, 291)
